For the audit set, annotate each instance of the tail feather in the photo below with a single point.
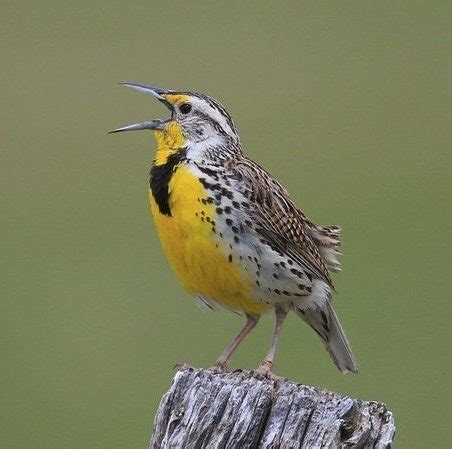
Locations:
(328, 241)
(326, 324)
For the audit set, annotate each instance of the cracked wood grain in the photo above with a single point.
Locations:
(235, 410)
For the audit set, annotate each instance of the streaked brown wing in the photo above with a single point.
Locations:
(277, 219)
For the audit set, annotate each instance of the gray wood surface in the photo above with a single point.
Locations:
(205, 410)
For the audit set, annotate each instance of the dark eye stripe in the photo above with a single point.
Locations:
(214, 104)
(214, 123)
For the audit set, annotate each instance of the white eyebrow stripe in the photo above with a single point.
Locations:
(215, 111)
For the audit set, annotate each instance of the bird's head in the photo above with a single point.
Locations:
(195, 119)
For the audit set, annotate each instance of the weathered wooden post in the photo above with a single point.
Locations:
(205, 410)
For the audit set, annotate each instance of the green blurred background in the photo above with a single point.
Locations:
(347, 103)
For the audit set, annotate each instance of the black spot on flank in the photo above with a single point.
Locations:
(236, 204)
(208, 219)
(245, 204)
(276, 264)
(230, 246)
(213, 222)
(302, 311)
(227, 209)
(235, 230)
(210, 200)
(236, 239)
(309, 276)
(219, 210)
(203, 213)
(258, 274)
(289, 261)
(275, 276)
(212, 173)
(249, 223)
(258, 284)
(196, 214)
(213, 229)
(327, 329)
(285, 292)
(309, 289)
(203, 201)
(209, 186)
(301, 286)
(230, 258)
(324, 318)
(228, 221)
(255, 259)
(221, 234)
(202, 219)
(278, 292)
(283, 265)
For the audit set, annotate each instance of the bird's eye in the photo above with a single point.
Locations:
(185, 108)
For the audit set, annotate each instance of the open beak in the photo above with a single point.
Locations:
(152, 124)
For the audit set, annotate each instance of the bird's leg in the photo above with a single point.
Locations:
(220, 364)
(265, 368)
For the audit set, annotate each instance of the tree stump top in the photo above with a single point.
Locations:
(236, 410)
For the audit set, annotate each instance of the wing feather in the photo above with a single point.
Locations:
(277, 218)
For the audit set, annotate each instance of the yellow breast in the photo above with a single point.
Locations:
(194, 251)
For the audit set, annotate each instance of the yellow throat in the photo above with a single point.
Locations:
(170, 140)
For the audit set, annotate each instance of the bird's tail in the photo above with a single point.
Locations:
(328, 241)
(326, 324)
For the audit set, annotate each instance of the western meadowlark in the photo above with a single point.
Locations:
(230, 231)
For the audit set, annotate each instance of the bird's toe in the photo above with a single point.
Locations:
(264, 371)
(219, 368)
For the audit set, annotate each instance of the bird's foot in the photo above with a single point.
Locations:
(219, 368)
(183, 366)
(264, 371)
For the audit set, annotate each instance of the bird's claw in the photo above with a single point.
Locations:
(182, 366)
(219, 368)
(264, 372)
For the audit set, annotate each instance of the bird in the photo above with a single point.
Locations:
(231, 232)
